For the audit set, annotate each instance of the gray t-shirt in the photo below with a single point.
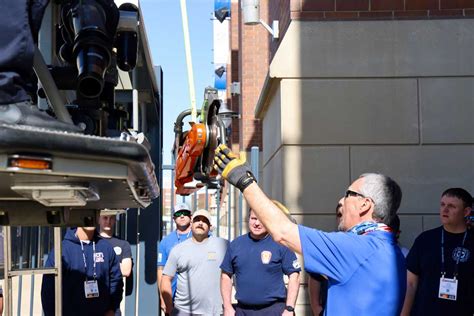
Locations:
(197, 267)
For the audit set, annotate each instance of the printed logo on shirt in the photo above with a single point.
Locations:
(266, 256)
(461, 253)
(99, 257)
(296, 264)
(118, 250)
(211, 256)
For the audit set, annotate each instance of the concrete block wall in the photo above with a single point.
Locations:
(351, 97)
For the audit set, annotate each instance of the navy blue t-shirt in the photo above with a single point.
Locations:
(259, 266)
(366, 273)
(424, 260)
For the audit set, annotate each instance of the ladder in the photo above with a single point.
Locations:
(10, 272)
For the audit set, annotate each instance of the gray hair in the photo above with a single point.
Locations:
(384, 192)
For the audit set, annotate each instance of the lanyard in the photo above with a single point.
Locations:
(93, 258)
(443, 268)
(179, 239)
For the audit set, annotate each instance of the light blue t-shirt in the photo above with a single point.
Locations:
(366, 273)
(164, 249)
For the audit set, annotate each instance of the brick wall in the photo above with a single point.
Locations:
(380, 9)
(253, 66)
(233, 101)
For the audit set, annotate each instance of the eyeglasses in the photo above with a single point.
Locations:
(353, 193)
(182, 213)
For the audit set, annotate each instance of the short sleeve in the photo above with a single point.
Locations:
(290, 263)
(336, 255)
(226, 264)
(171, 265)
(413, 258)
(126, 250)
(162, 253)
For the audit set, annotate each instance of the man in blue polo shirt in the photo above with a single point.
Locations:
(365, 268)
(255, 256)
(182, 219)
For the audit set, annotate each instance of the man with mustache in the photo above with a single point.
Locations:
(196, 263)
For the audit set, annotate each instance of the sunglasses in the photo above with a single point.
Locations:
(353, 193)
(182, 213)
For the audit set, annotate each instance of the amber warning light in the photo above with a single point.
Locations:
(29, 163)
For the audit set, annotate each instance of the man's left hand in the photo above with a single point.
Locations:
(232, 168)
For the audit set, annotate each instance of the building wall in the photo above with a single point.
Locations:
(350, 97)
(357, 86)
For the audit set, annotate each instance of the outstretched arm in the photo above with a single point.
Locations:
(237, 172)
(277, 223)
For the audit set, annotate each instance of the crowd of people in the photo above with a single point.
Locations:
(362, 265)
(360, 269)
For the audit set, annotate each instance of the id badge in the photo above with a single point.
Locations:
(91, 289)
(448, 289)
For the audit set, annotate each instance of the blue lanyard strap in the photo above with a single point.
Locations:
(179, 239)
(93, 259)
(443, 267)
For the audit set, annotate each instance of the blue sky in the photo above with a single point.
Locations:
(165, 36)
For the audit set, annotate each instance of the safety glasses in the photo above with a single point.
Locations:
(182, 213)
(353, 193)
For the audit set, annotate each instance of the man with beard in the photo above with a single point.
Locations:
(196, 263)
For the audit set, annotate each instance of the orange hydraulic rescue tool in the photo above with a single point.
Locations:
(194, 149)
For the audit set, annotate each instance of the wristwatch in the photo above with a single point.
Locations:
(290, 308)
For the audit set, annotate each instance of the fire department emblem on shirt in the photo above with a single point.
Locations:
(99, 257)
(118, 250)
(460, 253)
(266, 256)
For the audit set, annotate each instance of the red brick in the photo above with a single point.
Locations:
(386, 5)
(341, 15)
(307, 16)
(447, 13)
(295, 5)
(410, 14)
(352, 5)
(318, 5)
(383, 15)
(422, 4)
(457, 4)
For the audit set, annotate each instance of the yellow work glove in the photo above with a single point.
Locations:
(232, 168)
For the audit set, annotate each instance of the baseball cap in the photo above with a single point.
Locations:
(204, 213)
(182, 207)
